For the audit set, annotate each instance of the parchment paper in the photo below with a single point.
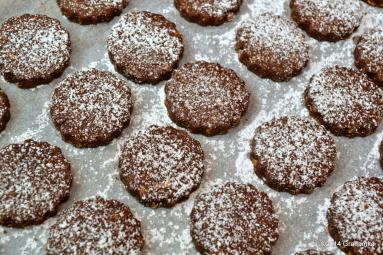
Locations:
(303, 221)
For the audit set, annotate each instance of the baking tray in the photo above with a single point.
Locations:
(303, 221)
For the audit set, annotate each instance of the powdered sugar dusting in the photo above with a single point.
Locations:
(206, 96)
(215, 8)
(161, 165)
(145, 44)
(90, 6)
(34, 178)
(356, 215)
(33, 46)
(96, 226)
(370, 52)
(3, 107)
(345, 99)
(234, 219)
(91, 106)
(295, 154)
(272, 42)
(274, 33)
(337, 17)
(91, 11)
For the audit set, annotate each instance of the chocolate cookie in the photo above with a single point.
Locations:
(145, 47)
(369, 55)
(345, 101)
(355, 216)
(293, 154)
(327, 20)
(34, 179)
(34, 49)
(234, 218)
(378, 3)
(161, 166)
(381, 153)
(208, 12)
(91, 11)
(272, 47)
(314, 252)
(96, 226)
(5, 114)
(206, 98)
(90, 108)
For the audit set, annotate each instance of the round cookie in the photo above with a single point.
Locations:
(161, 166)
(91, 11)
(234, 218)
(96, 226)
(369, 55)
(272, 47)
(314, 252)
(90, 108)
(292, 154)
(378, 3)
(345, 101)
(145, 47)
(34, 49)
(208, 12)
(327, 20)
(355, 216)
(206, 98)
(34, 179)
(5, 114)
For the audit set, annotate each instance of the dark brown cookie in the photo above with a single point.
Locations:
(5, 113)
(96, 226)
(355, 216)
(206, 98)
(234, 218)
(345, 101)
(91, 11)
(381, 153)
(208, 12)
(327, 20)
(90, 108)
(314, 252)
(369, 55)
(378, 3)
(272, 47)
(293, 154)
(34, 179)
(145, 47)
(161, 166)
(34, 49)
